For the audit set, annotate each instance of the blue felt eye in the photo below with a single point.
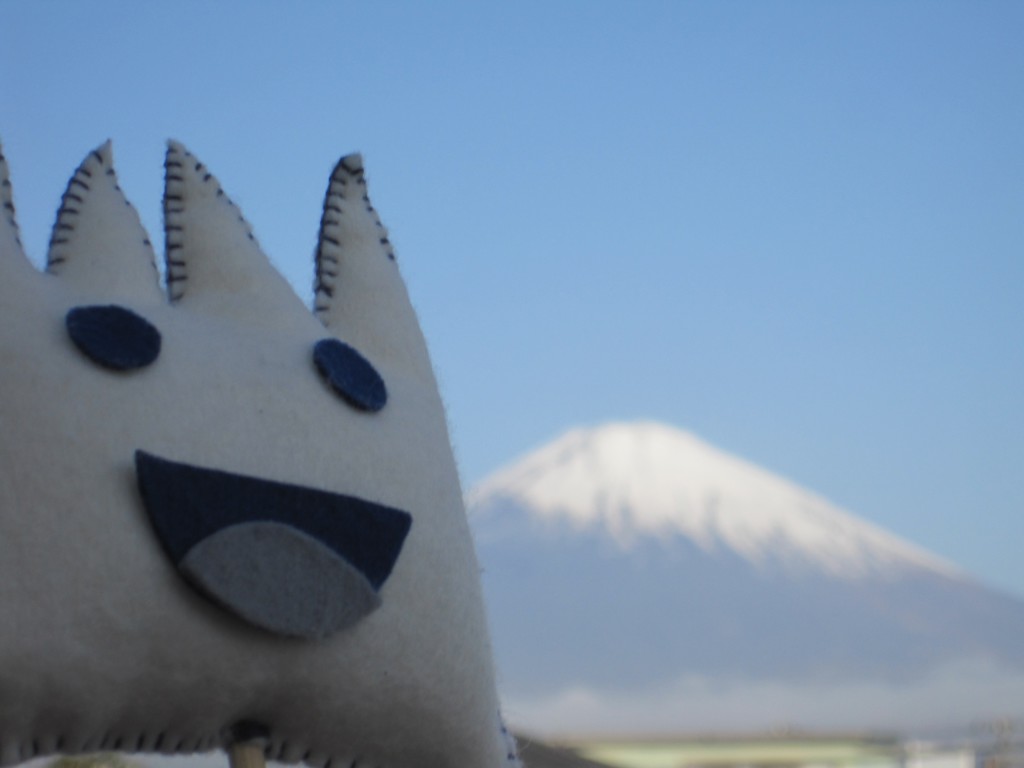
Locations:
(113, 336)
(350, 375)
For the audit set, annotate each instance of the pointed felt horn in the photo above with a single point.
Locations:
(98, 242)
(10, 239)
(360, 294)
(213, 260)
(14, 264)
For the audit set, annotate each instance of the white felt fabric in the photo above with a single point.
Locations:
(102, 644)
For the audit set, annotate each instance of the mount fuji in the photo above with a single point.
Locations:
(640, 579)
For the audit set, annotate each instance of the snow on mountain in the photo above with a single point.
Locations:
(644, 479)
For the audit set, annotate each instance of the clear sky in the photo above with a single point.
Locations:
(794, 228)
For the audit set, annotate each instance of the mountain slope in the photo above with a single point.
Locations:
(647, 480)
(620, 558)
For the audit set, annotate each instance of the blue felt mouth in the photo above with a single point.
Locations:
(287, 558)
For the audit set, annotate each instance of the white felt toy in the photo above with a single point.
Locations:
(224, 515)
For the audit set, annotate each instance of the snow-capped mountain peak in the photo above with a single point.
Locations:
(642, 480)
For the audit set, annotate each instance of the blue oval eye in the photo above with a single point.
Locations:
(113, 336)
(350, 375)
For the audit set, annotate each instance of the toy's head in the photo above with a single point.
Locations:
(223, 509)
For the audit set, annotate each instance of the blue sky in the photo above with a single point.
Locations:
(796, 229)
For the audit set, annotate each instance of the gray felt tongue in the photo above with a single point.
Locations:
(281, 579)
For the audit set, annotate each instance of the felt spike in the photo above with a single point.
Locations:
(346, 195)
(10, 239)
(19, 278)
(98, 243)
(213, 260)
(359, 293)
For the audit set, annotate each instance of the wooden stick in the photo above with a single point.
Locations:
(246, 743)
(247, 754)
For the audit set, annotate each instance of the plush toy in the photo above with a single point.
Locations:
(226, 517)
